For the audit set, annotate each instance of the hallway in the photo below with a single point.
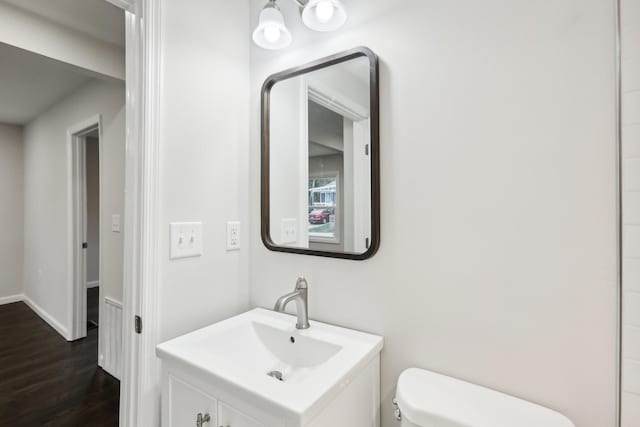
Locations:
(47, 381)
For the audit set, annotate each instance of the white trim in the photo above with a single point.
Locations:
(101, 224)
(149, 374)
(11, 299)
(76, 223)
(127, 5)
(94, 284)
(47, 318)
(303, 166)
(336, 102)
(619, 217)
(111, 301)
(361, 186)
(140, 393)
(129, 387)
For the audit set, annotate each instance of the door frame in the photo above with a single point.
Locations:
(77, 222)
(139, 387)
(619, 213)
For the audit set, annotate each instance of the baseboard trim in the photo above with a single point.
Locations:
(11, 299)
(93, 284)
(113, 302)
(47, 317)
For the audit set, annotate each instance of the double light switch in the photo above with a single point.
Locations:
(186, 240)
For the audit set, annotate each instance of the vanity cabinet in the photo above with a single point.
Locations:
(228, 416)
(189, 406)
(258, 370)
(185, 397)
(185, 403)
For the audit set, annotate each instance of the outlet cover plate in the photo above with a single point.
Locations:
(288, 231)
(233, 235)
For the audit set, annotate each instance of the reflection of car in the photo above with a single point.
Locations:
(320, 216)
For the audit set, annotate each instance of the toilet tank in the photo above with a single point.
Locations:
(428, 399)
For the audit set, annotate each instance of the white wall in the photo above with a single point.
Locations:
(204, 158)
(288, 200)
(46, 277)
(11, 212)
(630, 26)
(497, 260)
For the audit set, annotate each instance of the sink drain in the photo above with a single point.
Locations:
(276, 374)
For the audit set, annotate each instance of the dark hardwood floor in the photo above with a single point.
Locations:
(47, 381)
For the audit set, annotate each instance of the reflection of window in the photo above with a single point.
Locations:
(322, 192)
(323, 198)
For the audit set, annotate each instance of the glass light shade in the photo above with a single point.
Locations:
(271, 32)
(324, 15)
(325, 11)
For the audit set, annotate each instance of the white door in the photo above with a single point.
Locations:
(229, 417)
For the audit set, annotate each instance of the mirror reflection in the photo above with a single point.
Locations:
(320, 159)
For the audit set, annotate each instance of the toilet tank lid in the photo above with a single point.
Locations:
(426, 398)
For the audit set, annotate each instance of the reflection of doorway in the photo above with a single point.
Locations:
(92, 179)
(338, 140)
(326, 171)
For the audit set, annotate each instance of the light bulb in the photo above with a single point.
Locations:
(271, 33)
(324, 11)
(324, 15)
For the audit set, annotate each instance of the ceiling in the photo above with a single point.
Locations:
(95, 18)
(30, 84)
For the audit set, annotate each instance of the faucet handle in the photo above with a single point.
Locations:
(301, 283)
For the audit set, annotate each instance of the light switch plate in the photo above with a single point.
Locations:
(186, 239)
(233, 235)
(115, 223)
(289, 231)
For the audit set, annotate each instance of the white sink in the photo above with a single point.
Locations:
(238, 354)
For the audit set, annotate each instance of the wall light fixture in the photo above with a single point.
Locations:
(319, 15)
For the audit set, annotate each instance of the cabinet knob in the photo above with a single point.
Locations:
(201, 419)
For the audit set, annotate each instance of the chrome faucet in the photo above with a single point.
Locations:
(299, 295)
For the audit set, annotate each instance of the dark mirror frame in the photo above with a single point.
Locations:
(374, 151)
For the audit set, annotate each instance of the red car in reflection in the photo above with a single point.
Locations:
(320, 216)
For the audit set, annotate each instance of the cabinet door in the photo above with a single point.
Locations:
(229, 417)
(186, 403)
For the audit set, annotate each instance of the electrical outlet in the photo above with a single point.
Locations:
(233, 235)
(186, 240)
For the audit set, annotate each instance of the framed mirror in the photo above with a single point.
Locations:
(320, 157)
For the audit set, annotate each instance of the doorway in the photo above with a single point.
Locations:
(85, 223)
(92, 181)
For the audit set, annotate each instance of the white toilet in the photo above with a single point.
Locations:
(427, 399)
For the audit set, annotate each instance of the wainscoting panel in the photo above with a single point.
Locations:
(110, 331)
